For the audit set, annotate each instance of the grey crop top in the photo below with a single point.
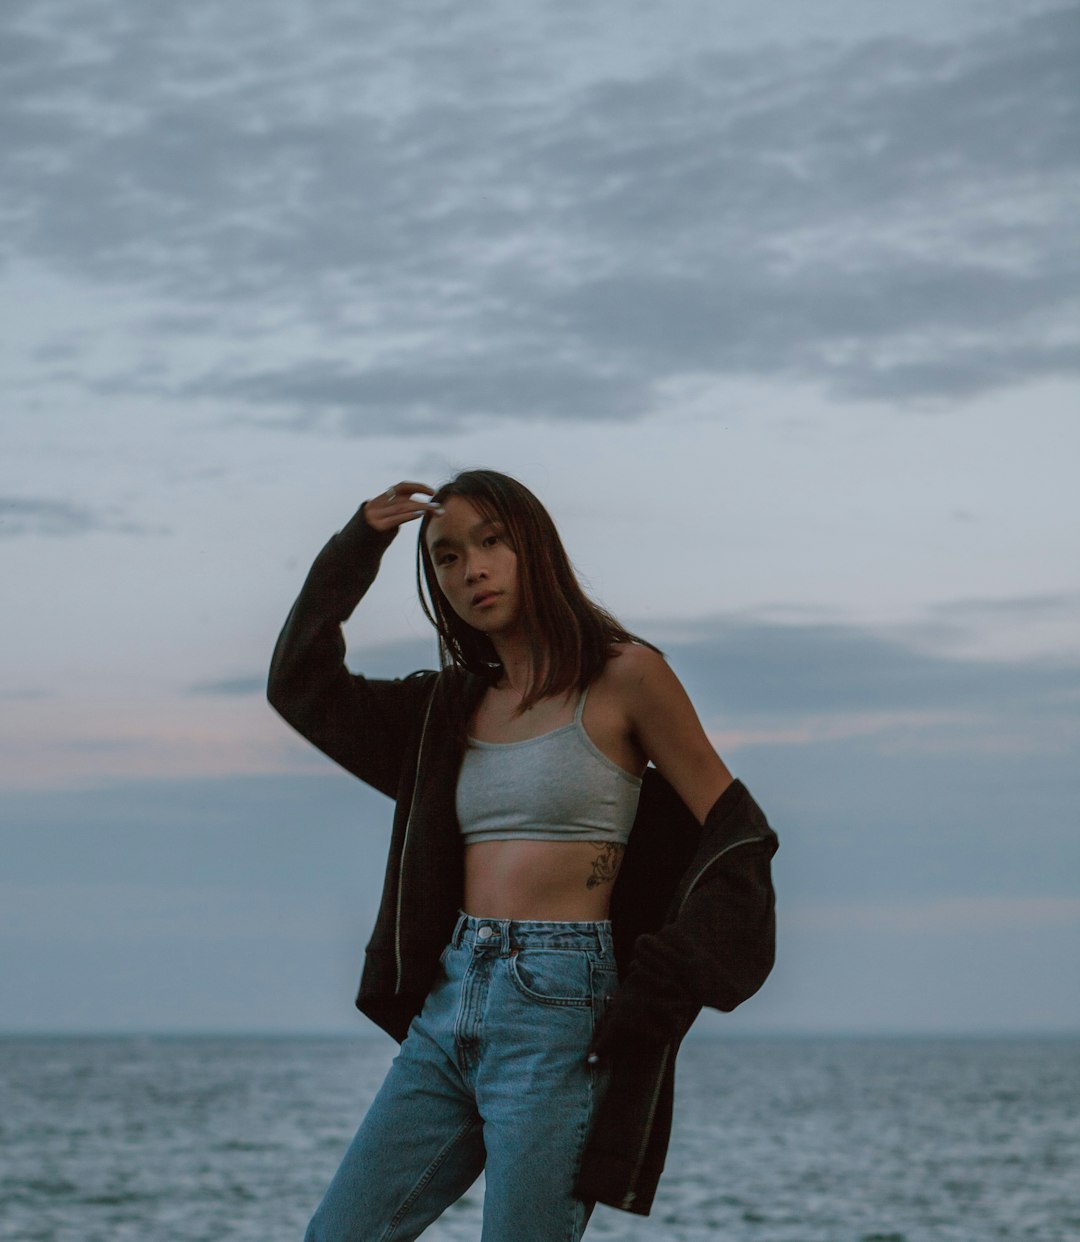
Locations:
(555, 787)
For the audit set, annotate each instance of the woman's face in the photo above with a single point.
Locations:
(475, 566)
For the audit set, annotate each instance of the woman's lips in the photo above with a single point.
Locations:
(486, 599)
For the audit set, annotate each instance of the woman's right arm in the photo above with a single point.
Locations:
(359, 722)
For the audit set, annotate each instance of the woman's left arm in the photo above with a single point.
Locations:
(719, 943)
(668, 729)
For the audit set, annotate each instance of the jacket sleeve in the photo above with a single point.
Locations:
(719, 942)
(359, 722)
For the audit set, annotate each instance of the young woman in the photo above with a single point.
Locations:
(555, 911)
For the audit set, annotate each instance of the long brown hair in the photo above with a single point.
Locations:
(562, 623)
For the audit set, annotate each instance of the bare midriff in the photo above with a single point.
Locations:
(553, 881)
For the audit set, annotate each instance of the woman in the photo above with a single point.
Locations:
(555, 913)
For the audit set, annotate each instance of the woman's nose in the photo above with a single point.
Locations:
(474, 570)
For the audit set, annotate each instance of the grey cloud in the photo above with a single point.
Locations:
(96, 745)
(960, 372)
(890, 221)
(390, 660)
(43, 517)
(745, 670)
(1030, 606)
(137, 830)
(439, 397)
(33, 516)
(851, 212)
(798, 326)
(231, 685)
(748, 671)
(60, 350)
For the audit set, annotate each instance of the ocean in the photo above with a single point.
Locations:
(815, 1139)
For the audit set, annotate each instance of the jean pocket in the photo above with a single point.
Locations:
(552, 976)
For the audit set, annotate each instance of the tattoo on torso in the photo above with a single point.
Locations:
(606, 865)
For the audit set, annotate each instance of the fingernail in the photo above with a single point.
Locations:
(593, 1058)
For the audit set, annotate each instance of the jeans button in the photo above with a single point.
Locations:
(485, 932)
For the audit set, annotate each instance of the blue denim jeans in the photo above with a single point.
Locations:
(492, 1075)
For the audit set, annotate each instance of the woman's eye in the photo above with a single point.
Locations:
(487, 537)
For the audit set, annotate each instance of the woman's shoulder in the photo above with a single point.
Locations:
(630, 662)
(640, 678)
(630, 670)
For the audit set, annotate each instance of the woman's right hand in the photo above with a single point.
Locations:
(395, 506)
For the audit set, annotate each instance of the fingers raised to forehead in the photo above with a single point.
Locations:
(406, 488)
(396, 505)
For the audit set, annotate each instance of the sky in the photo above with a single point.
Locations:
(774, 307)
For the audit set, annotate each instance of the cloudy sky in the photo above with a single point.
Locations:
(775, 307)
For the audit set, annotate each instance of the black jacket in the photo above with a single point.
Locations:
(692, 908)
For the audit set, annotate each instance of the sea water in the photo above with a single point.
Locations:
(203, 1139)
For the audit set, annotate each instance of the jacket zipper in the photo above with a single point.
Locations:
(405, 842)
(631, 1193)
(705, 866)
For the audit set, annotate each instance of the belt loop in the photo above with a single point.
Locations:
(459, 927)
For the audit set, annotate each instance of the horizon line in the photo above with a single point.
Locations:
(373, 1034)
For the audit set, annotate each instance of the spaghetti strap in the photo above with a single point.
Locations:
(580, 706)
